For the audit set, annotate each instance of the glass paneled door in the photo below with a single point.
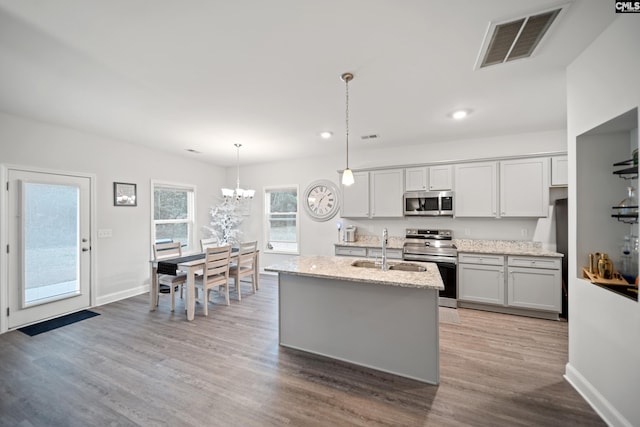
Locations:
(49, 245)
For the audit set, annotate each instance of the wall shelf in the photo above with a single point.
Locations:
(617, 285)
(628, 218)
(630, 172)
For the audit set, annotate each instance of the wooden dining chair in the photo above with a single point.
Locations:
(210, 242)
(215, 274)
(245, 266)
(165, 251)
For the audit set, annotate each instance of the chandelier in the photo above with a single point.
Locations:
(238, 193)
(347, 174)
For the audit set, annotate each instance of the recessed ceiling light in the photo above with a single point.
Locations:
(460, 114)
(326, 134)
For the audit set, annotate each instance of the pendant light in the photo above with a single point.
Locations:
(238, 193)
(347, 175)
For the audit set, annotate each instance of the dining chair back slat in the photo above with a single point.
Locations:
(210, 242)
(245, 266)
(215, 273)
(165, 251)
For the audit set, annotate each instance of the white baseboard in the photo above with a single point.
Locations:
(117, 296)
(602, 406)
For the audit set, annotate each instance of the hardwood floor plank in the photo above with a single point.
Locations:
(132, 367)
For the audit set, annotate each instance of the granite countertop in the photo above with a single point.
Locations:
(340, 268)
(374, 242)
(502, 247)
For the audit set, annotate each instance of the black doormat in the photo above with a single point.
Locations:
(58, 322)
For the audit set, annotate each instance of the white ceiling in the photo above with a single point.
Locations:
(205, 74)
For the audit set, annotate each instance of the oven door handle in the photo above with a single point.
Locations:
(429, 258)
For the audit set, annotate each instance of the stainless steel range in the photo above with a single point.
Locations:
(435, 246)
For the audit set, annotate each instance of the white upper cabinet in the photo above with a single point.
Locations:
(524, 187)
(440, 177)
(386, 193)
(355, 197)
(476, 189)
(375, 193)
(559, 173)
(416, 179)
(428, 178)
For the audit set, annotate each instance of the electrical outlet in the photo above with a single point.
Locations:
(524, 232)
(105, 233)
(467, 232)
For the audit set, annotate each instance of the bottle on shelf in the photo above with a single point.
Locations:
(629, 205)
(625, 268)
(633, 265)
(605, 267)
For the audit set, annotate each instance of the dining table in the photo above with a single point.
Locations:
(189, 264)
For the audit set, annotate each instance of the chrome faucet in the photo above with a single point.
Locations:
(385, 237)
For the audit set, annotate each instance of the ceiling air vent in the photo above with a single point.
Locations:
(515, 39)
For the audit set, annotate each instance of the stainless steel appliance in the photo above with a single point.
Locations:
(435, 246)
(350, 233)
(428, 203)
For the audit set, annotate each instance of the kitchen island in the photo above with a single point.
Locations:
(385, 320)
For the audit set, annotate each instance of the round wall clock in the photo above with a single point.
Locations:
(321, 200)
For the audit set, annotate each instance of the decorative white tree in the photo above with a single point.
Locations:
(225, 221)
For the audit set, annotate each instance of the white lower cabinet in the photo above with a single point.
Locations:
(526, 283)
(481, 278)
(534, 283)
(391, 253)
(364, 252)
(350, 251)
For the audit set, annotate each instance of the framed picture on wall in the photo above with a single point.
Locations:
(124, 194)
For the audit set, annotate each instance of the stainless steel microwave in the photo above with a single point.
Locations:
(428, 203)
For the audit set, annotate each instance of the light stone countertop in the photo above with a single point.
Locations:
(340, 268)
(374, 242)
(503, 247)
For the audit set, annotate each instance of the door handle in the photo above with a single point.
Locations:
(85, 249)
(85, 240)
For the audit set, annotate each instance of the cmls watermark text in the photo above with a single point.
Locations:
(627, 6)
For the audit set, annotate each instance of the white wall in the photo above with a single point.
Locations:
(123, 260)
(604, 328)
(318, 238)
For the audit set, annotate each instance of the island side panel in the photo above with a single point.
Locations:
(389, 328)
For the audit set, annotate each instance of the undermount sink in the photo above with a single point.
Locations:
(406, 266)
(365, 264)
(401, 266)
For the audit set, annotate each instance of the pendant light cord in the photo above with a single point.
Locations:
(346, 83)
(238, 165)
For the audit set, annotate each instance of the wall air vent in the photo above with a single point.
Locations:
(515, 39)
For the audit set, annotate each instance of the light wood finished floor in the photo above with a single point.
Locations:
(132, 367)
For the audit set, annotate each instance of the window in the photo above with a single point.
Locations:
(173, 214)
(281, 219)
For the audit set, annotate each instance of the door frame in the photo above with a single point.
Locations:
(4, 233)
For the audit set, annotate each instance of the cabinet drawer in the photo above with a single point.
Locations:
(349, 251)
(534, 262)
(481, 259)
(391, 253)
